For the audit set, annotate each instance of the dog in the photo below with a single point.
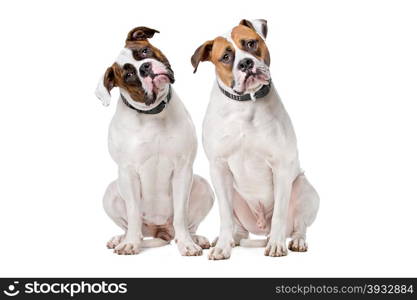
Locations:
(153, 141)
(252, 149)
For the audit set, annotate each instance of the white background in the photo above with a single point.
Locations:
(346, 71)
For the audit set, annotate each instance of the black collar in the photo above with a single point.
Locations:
(156, 110)
(259, 94)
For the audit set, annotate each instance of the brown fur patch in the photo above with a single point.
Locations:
(108, 80)
(141, 33)
(213, 51)
(202, 53)
(136, 93)
(224, 71)
(242, 33)
(137, 46)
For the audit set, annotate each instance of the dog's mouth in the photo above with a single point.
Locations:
(158, 82)
(252, 80)
(167, 75)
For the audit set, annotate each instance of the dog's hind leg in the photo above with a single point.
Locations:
(303, 208)
(200, 203)
(240, 234)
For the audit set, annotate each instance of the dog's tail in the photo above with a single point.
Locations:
(259, 243)
(153, 243)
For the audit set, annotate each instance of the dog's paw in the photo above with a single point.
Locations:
(188, 247)
(276, 248)
(127, 248)
(115, 241)
(201, 241)
(298, 245)
(222, 250)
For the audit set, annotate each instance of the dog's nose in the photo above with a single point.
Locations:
(245, 64)
(145, 69)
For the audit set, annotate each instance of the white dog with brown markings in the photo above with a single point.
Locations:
(251, 146)
(152, 139)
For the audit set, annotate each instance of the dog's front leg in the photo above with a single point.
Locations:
(181, 189)
(222, 180)
(282, 181)
(129, 188)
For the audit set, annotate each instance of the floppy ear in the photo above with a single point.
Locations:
(201, 54)
(259, 25)
(140, 34)
(105, 85)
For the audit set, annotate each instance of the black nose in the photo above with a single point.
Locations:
(245, 64)
(145, 69)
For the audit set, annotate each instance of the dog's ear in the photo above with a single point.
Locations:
(202, 53)
(105, 85)
(140, 34)
(259, 25)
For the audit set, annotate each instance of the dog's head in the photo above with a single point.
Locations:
(241, 57)
(141, 71)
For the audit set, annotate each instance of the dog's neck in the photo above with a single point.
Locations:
(258, 92)
(160, 104)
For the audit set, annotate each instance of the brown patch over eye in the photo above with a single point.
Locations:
(130, 75)
(222, 57)
(248, 40)
(251, 46)
(142, 53)
(144, 49)
(228, 56)
(126, 78)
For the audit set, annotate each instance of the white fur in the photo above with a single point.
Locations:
(102, 93)
(258, 24)
(156, 187)
(252, 150)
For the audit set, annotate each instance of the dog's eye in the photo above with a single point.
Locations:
(145, 51)
(129, 74)
(252, 44)
(226, 57)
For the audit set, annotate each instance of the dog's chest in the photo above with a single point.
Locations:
(247, 145)
(154, 149)
(252, 173)
(156, 190)
(250, 139)
(242, 132)
(149, 142)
